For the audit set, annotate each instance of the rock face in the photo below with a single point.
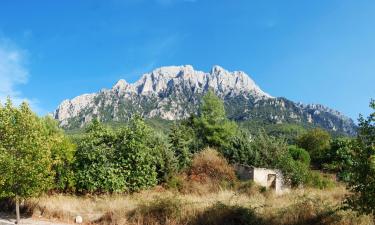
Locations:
(175, 92)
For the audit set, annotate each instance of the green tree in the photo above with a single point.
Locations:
(362, 178)
(212, 125)
(270, 150)
(339, 158)
(25, 158)
(180, 142)
(135, 155)
(96, 166)
(241, 150)
(316, 142)
(163, 156)
(62, 153)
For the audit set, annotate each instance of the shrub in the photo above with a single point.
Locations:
(294, 171)
(96, 167)
(299, 154)
(158, 211)
(317, 180)
(221, 214)
(175, 183)
(209, 165)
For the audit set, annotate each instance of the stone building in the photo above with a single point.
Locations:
(269, 178)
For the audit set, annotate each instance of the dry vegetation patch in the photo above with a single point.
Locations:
(160, 206)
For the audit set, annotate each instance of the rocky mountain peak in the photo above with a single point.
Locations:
(174, 93)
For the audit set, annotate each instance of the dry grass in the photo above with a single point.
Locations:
(160, 206)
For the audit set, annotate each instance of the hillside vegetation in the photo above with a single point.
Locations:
(129, 174)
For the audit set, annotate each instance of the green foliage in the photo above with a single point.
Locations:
(339, 158)
(135, 155)
(295, 171)
(299, 154)
(180, 143)
(269, 149)
(62, 153)
(316, 142)
(241, 150)
(25, 156)
(164, 157)
(317, 180)
(212, 125)
(362, 179)
(96, 167)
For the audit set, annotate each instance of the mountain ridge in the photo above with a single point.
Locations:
(174, 92)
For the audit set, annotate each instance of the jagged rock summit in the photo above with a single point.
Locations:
(174, 92)
(164, 78)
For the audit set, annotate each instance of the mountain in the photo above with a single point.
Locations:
(174, 93)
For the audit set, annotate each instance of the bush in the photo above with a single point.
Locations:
(158, 211)
(209, 166)
(294, 171)
(221, 214)
(317, 180)
(299, 154)
(96, 167)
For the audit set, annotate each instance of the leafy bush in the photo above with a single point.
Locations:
(293, 171)
(339, 158)
(96, 168)
(299, 154)
(134, 155)
(317, 180)
(240, 150)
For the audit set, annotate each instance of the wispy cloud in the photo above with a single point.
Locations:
(13, 72)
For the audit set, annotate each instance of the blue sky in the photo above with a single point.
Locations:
(320, 51)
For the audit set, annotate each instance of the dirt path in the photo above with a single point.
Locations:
(30, 221)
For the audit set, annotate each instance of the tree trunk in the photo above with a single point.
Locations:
(18, 210)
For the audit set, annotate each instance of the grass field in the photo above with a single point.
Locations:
(246, 205)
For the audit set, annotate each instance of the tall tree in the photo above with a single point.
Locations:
(362, 177)
(25, 157)
(212, 124)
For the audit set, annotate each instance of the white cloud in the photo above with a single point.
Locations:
(13, 72)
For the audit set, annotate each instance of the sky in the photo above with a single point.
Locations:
(320, 51)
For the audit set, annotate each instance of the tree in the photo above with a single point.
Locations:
(362, 179)
(134, 154)
(96, 166)
(179, 142)
(339, 158)
(316, 142)
(62, 153)
(25, 158)
(241, 150)
(212, 125)
(163, 156)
